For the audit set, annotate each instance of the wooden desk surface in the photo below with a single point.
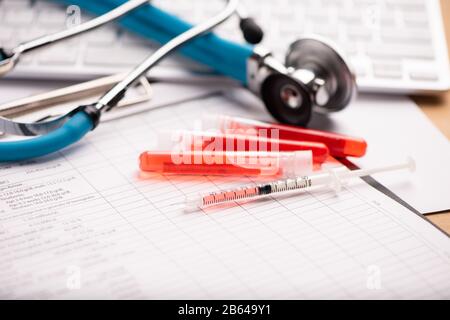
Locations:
(438, 110)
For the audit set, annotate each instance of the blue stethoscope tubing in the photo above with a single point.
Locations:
(73, 130)
(223, 56)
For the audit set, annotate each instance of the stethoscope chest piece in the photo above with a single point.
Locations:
(320, 67)
(315, 77)
(286, 99)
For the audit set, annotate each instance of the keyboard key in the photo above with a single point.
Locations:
(416, 23)
(287, 32)
(406, 5)
(400, 51)
(359, 33)
(388, 69)
(114, 56)
(424, 75)
(57, 55)
(411, 35)
(16, 37)
(15, 4)
(316, 15)
(102, 37)
(423, 70)
(350, 17)
(349, 47)
(325, 31)
(13, 18)
(285, 15)
(52, 16)
(360, 65)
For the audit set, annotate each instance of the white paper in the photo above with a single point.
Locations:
(84, 224)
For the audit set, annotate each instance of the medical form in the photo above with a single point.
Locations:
(84, 223)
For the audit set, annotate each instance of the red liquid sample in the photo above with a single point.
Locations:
(215, 163)
(250, 143)
(339, 145)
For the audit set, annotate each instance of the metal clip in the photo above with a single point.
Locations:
(83, 90)
(77, 91)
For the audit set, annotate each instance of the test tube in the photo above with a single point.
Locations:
(207, 140)
(339, 145)
(283, 164)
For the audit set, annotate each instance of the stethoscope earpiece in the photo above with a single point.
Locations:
(251, 31)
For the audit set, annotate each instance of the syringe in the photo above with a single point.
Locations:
(333, 178)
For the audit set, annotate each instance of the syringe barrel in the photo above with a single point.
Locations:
(320, 180)
(250, 192)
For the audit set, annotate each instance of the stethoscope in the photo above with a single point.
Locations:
(314, 77)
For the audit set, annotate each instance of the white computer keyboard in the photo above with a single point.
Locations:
(393, 45)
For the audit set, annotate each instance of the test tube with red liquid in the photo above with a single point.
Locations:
(283, 164)
(339, 145)
(207, 140)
